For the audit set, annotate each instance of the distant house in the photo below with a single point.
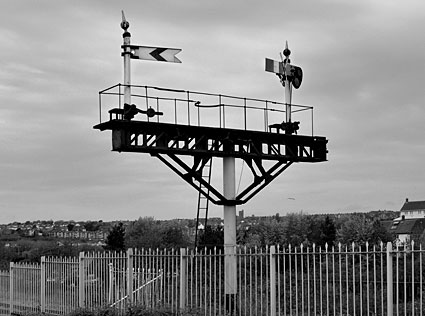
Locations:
(407, 230)
(413, 209)
(410, 225)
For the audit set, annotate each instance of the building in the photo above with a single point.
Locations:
(410, 225)
(407, 230)
(413, 209)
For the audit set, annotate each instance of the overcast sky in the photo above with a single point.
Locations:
(364, 73)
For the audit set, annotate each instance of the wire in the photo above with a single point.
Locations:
(240, 178)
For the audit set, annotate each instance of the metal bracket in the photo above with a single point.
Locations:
(193, 176)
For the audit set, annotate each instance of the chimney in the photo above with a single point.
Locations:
(407, 200)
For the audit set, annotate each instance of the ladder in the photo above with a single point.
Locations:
(203, 202)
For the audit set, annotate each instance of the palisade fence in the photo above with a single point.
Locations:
(4, 292)
(354, 280)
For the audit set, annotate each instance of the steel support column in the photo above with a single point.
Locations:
(230, 272)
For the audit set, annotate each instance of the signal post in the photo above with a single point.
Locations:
(229, 216)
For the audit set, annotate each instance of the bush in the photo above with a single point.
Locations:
(82, 312)
(105, 311)
(136, 310)
(143, 311)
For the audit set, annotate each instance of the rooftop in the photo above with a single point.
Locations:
(413, 205)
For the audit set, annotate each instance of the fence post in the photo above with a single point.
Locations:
(43, 284)
(183, 260)
(81, 293)
(111, 282)
(272, 280)
(11, 277)
(130, 275)
(390, 298)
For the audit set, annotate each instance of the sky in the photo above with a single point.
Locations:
(364, 71)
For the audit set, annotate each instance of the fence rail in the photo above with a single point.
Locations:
(349, 280)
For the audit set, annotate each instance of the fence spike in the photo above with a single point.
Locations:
(164, 276)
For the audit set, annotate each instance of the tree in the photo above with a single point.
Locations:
(143, 233)
(91, 226)
(380, 233)
(115, 241)
(212, 238)
(327, 232)
(173, 235)
(359, 230)
(295, 229)
(264, 233)
(70, 226)
(149, 233)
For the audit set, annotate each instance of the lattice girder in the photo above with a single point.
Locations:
(168, 142)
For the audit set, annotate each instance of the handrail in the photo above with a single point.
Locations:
(232, 110)
(307, 107)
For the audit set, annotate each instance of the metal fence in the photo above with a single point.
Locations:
(60, 283)
(25, 288)
(4, 292)
(349, 280)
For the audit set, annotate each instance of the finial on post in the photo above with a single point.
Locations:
(124, 23)
(286, 51)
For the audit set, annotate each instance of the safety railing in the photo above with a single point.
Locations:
(204, 109)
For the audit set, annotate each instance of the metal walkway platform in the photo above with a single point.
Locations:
(168, 126)
(164, 138)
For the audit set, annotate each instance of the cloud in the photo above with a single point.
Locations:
(362, 72)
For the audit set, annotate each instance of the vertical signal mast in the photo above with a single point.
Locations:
(290, 76)
(287, 82)
(171, 129)
(126, 56)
